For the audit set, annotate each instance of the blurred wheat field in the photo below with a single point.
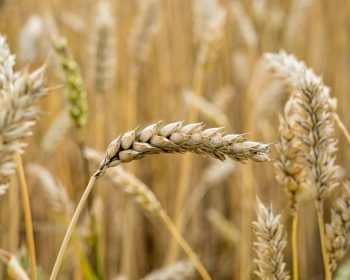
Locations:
(113, 66)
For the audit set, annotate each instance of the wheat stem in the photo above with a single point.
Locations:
(342, 126)
(184, 245)
(294, 237)
(27, 218)
(71, 226)
(325, 257)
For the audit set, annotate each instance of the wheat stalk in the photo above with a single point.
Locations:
(270, 245)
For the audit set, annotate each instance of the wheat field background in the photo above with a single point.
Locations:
(113, 66)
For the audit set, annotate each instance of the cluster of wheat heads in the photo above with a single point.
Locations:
(306, 162)
(171, 138)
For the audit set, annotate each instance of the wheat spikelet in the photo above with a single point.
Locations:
(56, 132)
(288, 167)
(103, 42)
(270, 245)
(14, 269)
(74, 83)
(338, 231)
(181, 270)
(55, 194)
(143, 30)
(18, 111)
(179, 138)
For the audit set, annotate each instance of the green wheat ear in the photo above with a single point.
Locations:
(75, 90)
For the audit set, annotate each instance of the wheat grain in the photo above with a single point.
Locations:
(270, 246)
(179, 138)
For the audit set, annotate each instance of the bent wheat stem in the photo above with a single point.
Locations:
(27, 218)
(71, 226)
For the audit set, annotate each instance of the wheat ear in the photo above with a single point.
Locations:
(270, 245)
(316, 127)
(338, 230)
(171, 138)
(289, 172)
(20, 94)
